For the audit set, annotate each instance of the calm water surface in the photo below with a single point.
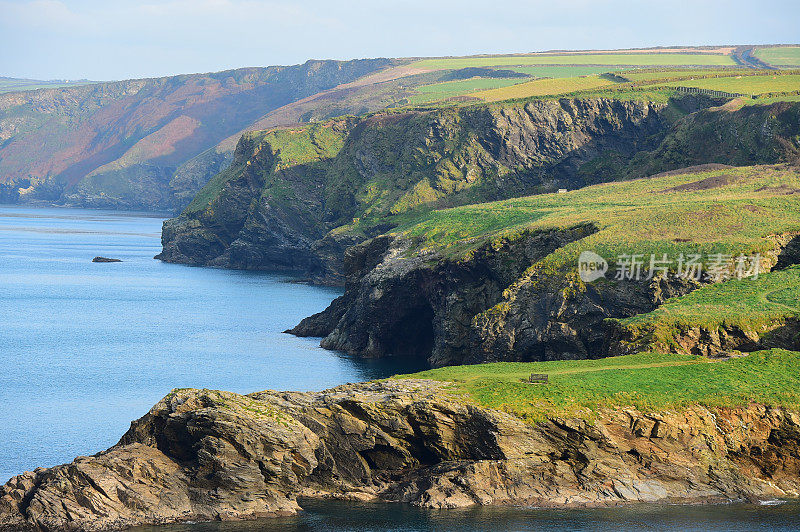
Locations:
(85, 348)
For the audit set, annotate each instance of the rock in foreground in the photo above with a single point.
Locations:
(203, 455)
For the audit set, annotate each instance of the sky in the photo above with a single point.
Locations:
(120, 39)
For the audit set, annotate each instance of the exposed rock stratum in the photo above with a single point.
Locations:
(209, 455)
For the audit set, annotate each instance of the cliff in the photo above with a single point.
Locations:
(369, 174)
(376, 173)
(118, 144)
(207, 455)
(500, 281)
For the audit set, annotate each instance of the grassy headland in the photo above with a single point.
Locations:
(720, 211)
(647, 381)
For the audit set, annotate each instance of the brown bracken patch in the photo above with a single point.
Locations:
(709, 167)
(714, 181)
(782, 189)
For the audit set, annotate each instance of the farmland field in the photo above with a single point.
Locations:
(577, 59)
(745, 84)
(655, 75)
(448, 89)
(543, 87)
(545, 71)
(780, 56)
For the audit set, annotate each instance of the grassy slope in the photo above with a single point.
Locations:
(748, 205)
(643, 215)
(648, 381)
(748, 304)
(448, 89)
(780, 56)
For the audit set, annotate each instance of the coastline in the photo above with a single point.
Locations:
(208, 455)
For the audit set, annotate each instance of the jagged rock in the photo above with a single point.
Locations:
(105, 259)
(201, 454)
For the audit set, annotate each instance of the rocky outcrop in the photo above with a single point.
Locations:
(207, 455)
(495, 304)
(389, 164)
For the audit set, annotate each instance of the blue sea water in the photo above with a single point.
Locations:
(87, 347)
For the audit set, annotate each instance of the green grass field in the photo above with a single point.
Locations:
(648, 381)
(545, 71)
(449, 89)
(749, 304)
(735, 214)
(657, 85)
(745, 84)
(633, 59)
(543, 87)
(780, 56)
(663, 74)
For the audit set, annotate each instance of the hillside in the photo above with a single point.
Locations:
(117, 145)
(323, 187)
(152, 144)
(500, 282)
(21, 84)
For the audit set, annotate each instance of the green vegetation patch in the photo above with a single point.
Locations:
(750, 304)
(660, 74)
(728, 211)
(565, 71)
(647, 381)
(450, 89)
(304, 145)
(780, 55)
(543, 87)
(745, 84)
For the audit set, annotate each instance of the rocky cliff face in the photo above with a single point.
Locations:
(494, 305)
(118, 144)
(383, 166)
(390, 164)
(207, 455)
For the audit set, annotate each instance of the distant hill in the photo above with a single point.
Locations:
(117, 144)
(21, 84)
(152, 144)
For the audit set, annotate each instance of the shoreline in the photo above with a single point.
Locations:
(203, 455)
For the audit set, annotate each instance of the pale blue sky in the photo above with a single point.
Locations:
(108, 39)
